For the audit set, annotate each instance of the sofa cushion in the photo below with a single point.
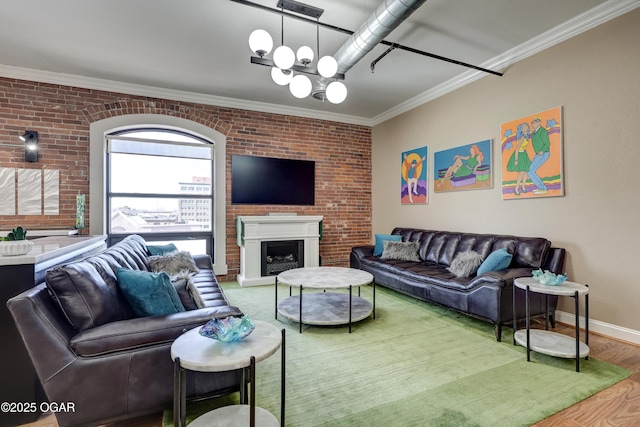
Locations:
(186, 298)
(149, 294)
(465, 263)
(380, 239)
(497, 260)
(83, 295)
(404, 251)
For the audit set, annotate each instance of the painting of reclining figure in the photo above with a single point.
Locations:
(467, 167)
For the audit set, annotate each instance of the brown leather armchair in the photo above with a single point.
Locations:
(118, 369)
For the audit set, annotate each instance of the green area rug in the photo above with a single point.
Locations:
(416, 364)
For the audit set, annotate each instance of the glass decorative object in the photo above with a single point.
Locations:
(548, 278)
(228, 329)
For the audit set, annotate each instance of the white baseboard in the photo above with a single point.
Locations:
(614, 331)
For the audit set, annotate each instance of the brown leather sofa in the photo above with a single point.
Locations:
(109, 364)
(488, 296)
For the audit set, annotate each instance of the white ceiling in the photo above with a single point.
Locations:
(197, 50)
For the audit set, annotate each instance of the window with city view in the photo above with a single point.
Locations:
(159, 185)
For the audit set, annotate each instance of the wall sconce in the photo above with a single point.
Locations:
(30, 139)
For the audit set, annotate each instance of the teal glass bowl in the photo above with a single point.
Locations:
(228, 329)
(548, 278)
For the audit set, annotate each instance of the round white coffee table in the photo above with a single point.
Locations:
(325, 308)
(191, 351)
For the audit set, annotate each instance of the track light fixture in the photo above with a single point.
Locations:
(30, 139)
(285, 71)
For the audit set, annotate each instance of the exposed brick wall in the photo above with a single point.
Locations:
(62, 116)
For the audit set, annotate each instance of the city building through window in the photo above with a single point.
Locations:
(160, 185)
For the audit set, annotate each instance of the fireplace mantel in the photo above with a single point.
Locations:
(253, 230)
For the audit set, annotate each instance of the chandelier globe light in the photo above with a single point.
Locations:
(305, 55)
(327, 66)
(284, 57)
(260, 42)
(281, 77)
(336, 92)
(300, 86)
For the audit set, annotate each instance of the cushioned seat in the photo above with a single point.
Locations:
(488, 296)
(88, 347)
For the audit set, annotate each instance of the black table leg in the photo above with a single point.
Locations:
(586, 320)
(350, 304)
(374, 299)
(577, 308)
(300, 309)
(528, 312)
(177, 397)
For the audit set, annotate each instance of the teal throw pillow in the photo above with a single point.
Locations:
(381, 238)
(161, 249)
(497, 260)
(149, 294)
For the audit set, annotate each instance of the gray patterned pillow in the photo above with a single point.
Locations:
(404, 251)
(465, 263)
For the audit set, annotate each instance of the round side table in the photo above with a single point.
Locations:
(549, 342)
(191, 351)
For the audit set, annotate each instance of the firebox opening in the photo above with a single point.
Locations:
(279, 256)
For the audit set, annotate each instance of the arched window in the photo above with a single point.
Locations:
(160, 184)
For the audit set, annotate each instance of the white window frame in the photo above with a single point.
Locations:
(97, 172)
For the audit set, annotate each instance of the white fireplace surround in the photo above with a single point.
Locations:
(253, 230)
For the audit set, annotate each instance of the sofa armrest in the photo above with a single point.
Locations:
(555, 260)
(363, 251)
(358, 253)
(126, 335)
(203, 261)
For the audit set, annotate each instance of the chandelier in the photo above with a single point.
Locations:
(293, 69)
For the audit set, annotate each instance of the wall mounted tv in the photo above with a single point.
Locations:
(271, 181)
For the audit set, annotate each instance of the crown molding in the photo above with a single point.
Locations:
(571, 28)
(63, 79)
(581, 23)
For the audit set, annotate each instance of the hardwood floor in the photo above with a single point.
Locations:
(618, 405)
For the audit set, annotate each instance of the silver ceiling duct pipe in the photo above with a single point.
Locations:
(387, 16)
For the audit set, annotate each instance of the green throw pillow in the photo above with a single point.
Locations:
(149, 294)
(381, 238)
(161, 249)
(497, 260)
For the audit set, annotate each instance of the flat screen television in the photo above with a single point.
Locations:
(271, 181)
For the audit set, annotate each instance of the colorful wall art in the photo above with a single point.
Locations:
(532, 156)
(413, 177)
(467, 167)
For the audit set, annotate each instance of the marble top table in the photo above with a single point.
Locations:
(202, 354)
(325, 308)
(549, 342)
(194, 352)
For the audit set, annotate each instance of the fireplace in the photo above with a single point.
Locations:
(277, 230)
(279, 256)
